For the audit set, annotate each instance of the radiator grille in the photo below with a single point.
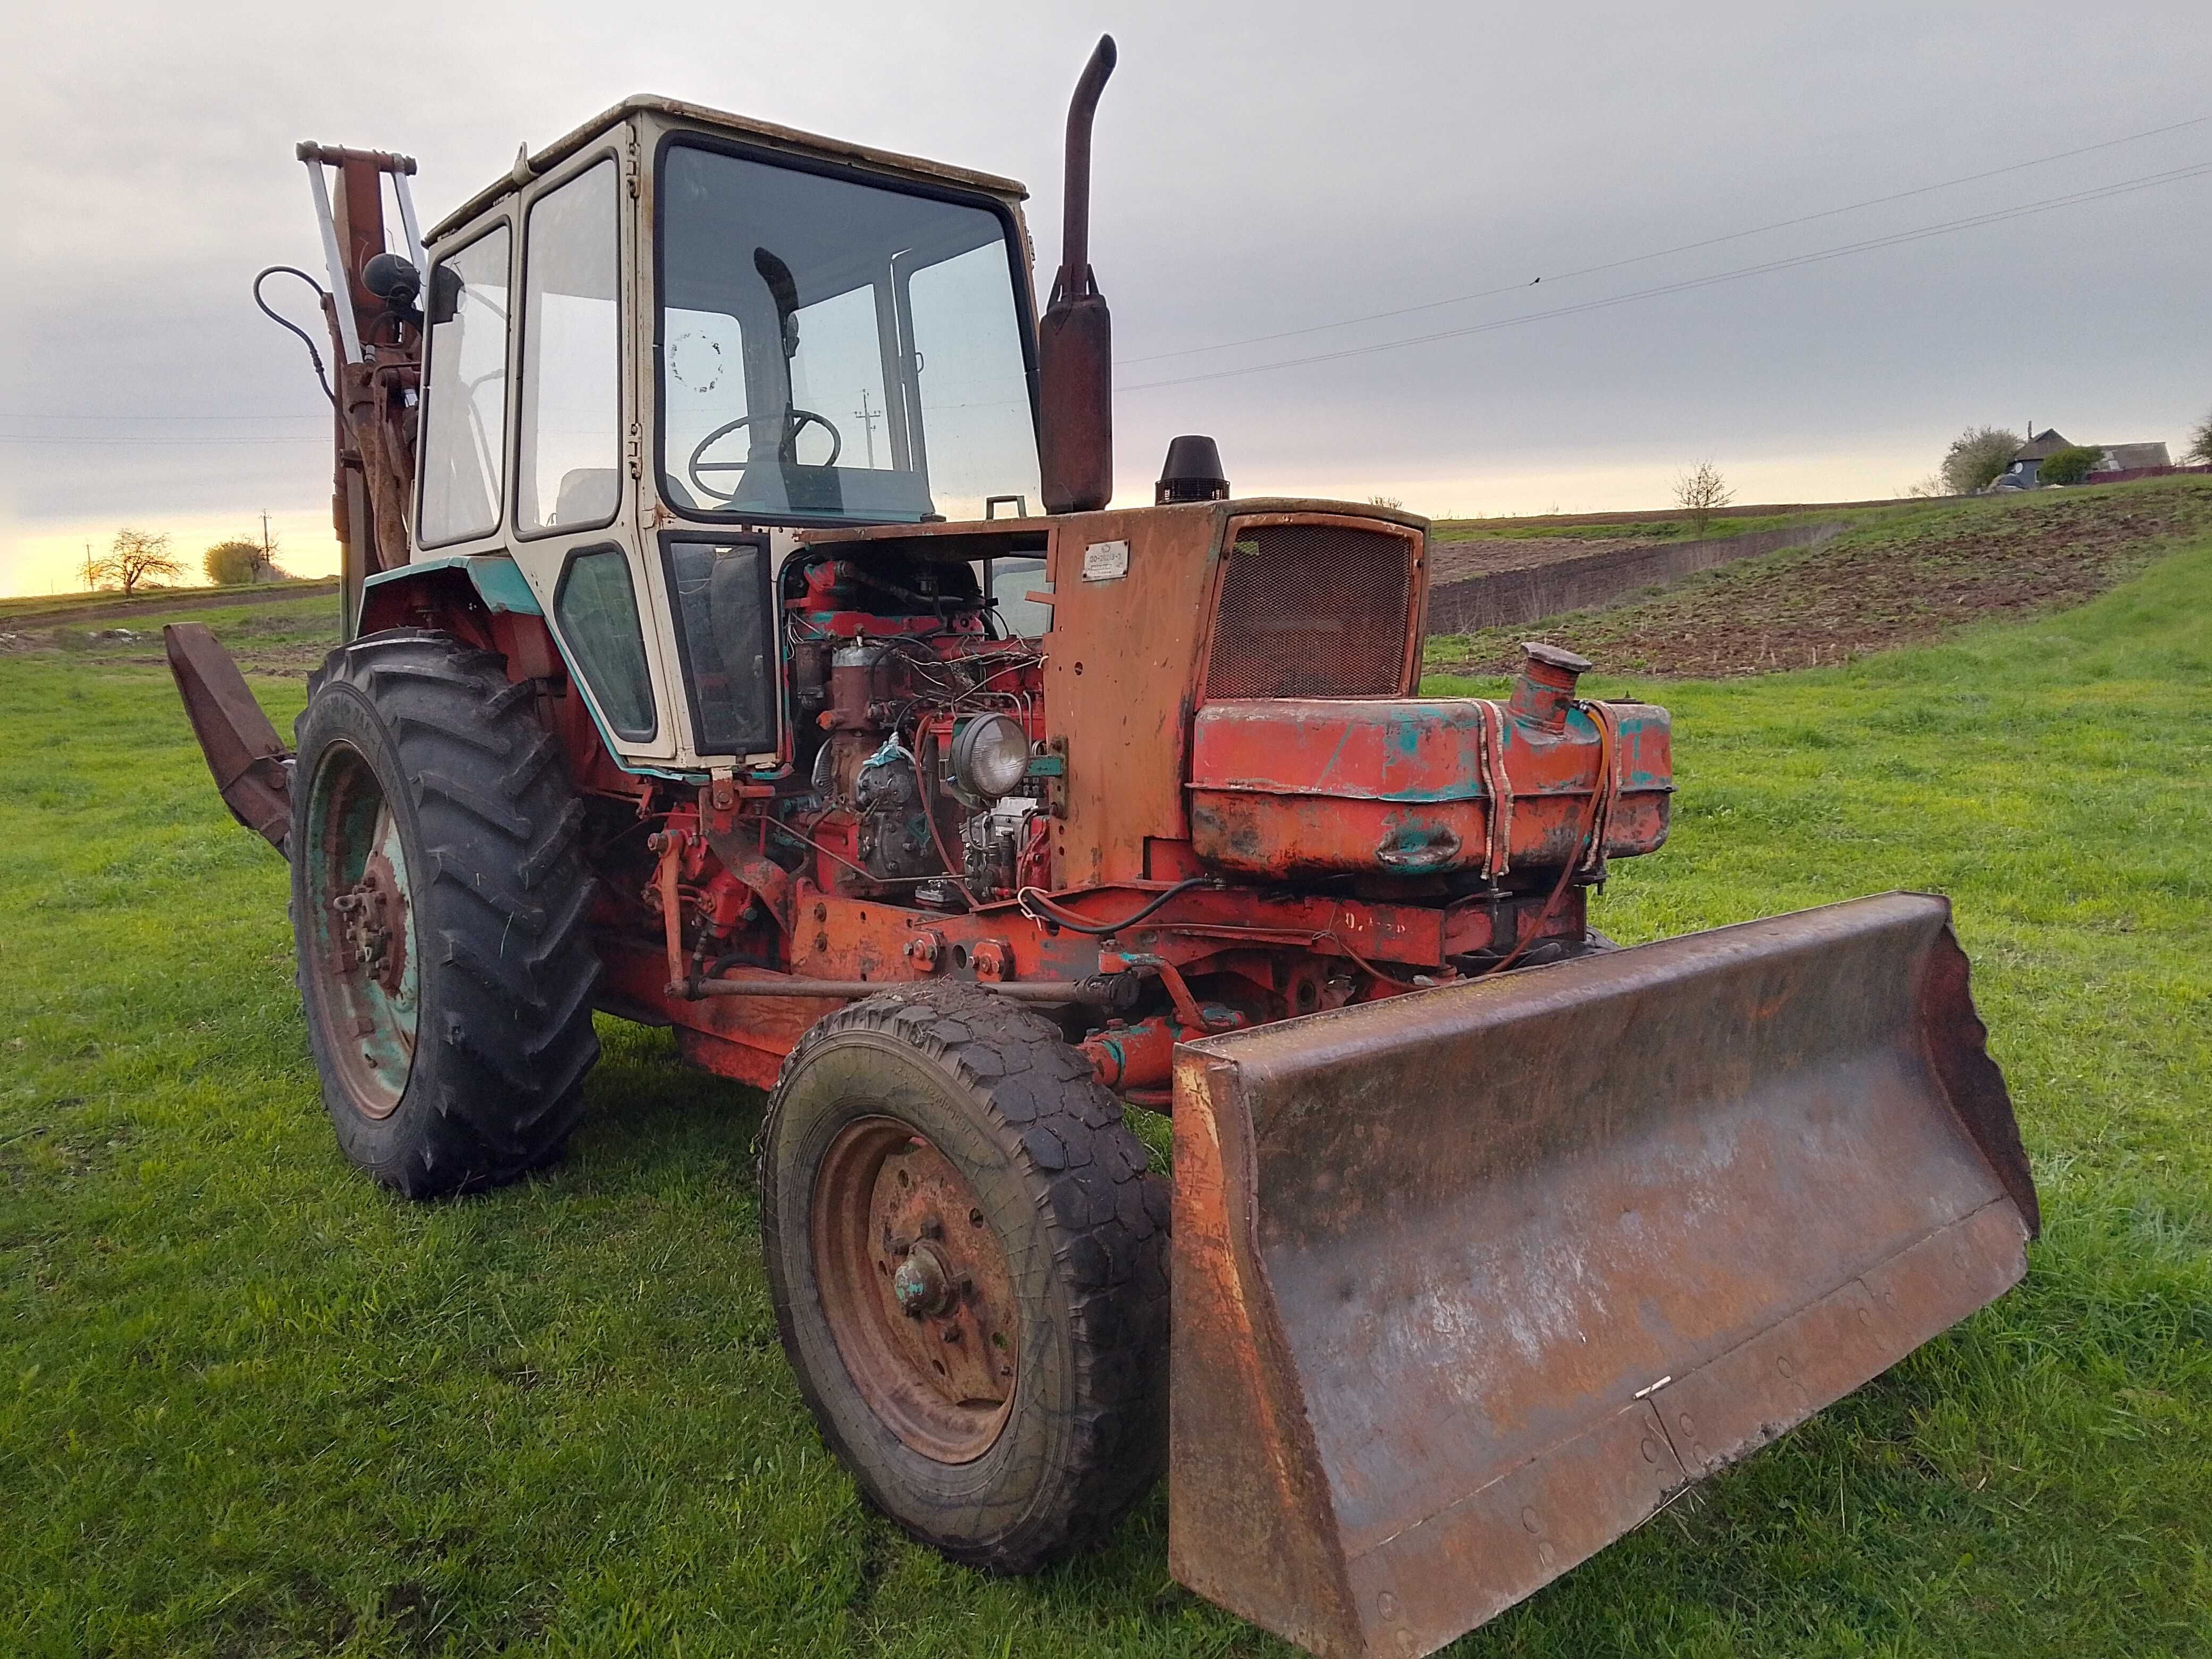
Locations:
(1312, 611)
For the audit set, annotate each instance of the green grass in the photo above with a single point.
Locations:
(250, 1404)
(1675, 527)
(150, 599)
(1900, 576)
(270, 634)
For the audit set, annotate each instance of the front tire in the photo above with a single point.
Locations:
(968, 1264)
(439, 911)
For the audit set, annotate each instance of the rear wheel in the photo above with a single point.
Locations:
(439, 908)
(968, 1264)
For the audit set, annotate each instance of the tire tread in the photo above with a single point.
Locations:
(1107, 1218)
(501, 909)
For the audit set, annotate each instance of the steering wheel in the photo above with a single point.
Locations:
(798, 419)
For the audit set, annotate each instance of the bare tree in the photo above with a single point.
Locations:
(133, 557)
(2199, 453)
(1386, 501)
(1702, 493)
(1976, 456)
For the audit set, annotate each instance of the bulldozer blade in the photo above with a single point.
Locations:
(253, 767)
(1471, 1281)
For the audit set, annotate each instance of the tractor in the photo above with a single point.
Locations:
(739, 639)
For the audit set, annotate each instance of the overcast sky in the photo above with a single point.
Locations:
(1261, 168)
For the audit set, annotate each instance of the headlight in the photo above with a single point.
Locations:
(990, 754)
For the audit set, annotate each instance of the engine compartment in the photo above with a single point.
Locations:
(1165, 770)
(899, 669)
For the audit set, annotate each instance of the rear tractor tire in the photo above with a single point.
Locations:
(968, 1264)
(439, 910)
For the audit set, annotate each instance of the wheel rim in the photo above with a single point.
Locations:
(361, 955)
(917, 1290)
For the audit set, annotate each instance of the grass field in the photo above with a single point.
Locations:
(1668, 525)
(252, 1405)
(34, 611)
(1898, 576)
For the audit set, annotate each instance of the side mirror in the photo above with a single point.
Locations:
(445, 293)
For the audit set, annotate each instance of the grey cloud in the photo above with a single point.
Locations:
(1261, 167)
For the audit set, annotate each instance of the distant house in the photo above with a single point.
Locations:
(2127, 458)
(2136, 460)
(2029, 457)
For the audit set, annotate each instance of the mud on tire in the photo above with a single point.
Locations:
(475, 795)
(1085, 1232)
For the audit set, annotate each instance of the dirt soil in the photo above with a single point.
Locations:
(1896, 584)
(288, 640)
(1455, 561)
(120, 610)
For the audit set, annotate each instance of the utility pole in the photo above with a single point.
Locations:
(867, 418)
(87, 567)
(267, 555)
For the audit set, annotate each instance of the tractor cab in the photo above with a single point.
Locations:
(666, 345)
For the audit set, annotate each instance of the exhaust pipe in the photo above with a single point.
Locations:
(1075, 336)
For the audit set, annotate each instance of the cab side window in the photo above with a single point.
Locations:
(569, 475)
(464, 397)
(596, 607)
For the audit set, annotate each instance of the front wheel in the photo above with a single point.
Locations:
(968, 1264)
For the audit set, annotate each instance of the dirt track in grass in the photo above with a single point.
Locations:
(19, 616)
(1902, 582)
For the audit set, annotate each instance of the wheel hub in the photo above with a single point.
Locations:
(358, 950)
(922, 1285)
(367, 926)
(917, 1288)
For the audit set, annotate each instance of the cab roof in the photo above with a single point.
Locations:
(766, 132)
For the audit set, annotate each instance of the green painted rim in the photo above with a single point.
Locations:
(362, 962)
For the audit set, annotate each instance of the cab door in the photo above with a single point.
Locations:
(575, 500)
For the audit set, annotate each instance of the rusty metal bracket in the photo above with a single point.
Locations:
(1188, 1008)
(1498, 784)
(670, 846)
(252, 767)
(770, 881)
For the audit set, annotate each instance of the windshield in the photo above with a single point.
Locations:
(832, 350)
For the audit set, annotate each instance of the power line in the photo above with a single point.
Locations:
(48, 416)
(1943, 227)
(1660, 253)
(156, 443)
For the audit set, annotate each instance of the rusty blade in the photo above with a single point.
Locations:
(1469, 1282)
(250, 763)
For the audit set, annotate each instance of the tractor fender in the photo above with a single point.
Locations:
(395, 599)
(443, 592)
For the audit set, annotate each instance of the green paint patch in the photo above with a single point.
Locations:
(250, 1404)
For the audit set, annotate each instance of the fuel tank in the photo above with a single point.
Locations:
(1288, 788)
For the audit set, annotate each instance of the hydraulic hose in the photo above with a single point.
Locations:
(307, 339)
(1035, 906)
